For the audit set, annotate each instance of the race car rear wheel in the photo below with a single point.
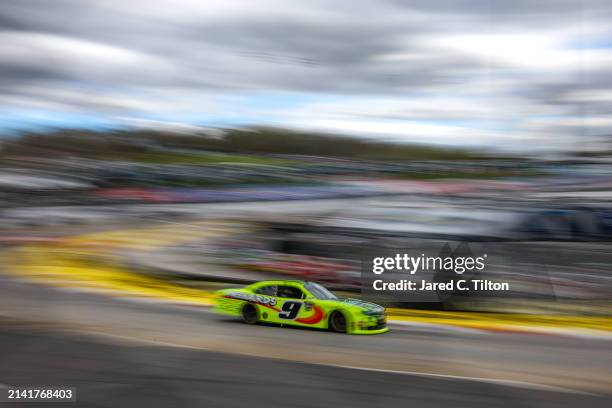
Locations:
(249, 314)
(337, 322)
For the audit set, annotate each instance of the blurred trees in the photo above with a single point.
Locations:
(109, 144)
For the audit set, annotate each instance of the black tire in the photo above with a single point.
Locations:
(249, 314)
(337, 322)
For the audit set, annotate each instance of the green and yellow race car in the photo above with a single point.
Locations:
(301, 303)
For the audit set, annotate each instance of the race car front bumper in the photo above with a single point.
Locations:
(371, 325)
(377, 331)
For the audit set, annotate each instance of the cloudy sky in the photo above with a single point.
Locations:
(521, 74)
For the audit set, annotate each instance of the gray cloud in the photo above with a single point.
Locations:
(109, 57)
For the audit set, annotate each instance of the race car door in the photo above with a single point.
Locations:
(295, 309)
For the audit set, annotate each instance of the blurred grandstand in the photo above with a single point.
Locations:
(348, 195)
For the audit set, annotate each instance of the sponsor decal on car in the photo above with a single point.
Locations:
(259, 299)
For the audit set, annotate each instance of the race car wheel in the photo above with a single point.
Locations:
(249, 314)
(337, 322)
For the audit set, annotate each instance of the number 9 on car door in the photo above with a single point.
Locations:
(290, 302)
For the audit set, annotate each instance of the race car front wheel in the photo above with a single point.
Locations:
(337, 322)
(249, 314)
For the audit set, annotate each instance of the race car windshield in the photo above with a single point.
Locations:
(319, 291)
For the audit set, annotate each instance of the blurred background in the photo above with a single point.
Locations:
(156, 151)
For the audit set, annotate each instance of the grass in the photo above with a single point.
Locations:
(199, 158)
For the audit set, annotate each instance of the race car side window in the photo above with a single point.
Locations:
(269, 290)
(290, 292)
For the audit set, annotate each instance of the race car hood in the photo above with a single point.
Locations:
(370, 307)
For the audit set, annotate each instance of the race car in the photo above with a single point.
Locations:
(301, 303)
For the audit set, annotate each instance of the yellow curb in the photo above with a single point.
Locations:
(501, 321)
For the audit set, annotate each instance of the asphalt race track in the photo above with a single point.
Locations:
(115, 375)
(118, 352)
